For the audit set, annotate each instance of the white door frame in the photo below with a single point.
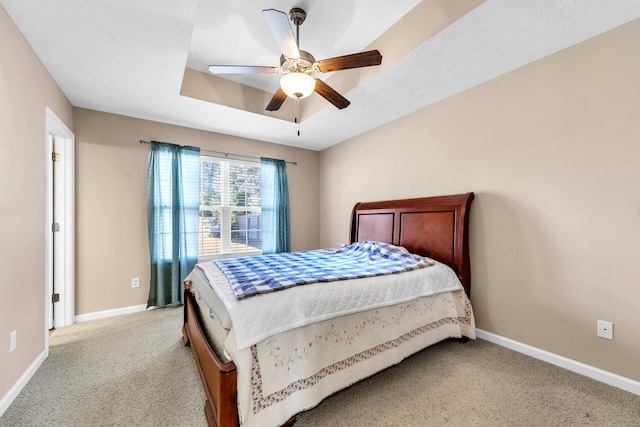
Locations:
(65, 197)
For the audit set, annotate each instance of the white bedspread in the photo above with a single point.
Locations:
(293, 371)
(259, 317)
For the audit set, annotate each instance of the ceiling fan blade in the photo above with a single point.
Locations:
(279, 23)
(328, 93)
(277, 100)
(355, 60)
(241, 69)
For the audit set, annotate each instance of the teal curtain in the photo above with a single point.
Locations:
(275, 206)
(173, 204)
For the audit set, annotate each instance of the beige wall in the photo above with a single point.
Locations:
(111, 213)
(552, 151)
(26, 88)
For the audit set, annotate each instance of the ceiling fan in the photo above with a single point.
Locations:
(298, 66)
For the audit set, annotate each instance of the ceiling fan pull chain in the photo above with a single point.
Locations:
(297, 114)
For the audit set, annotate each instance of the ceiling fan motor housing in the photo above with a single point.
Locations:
(304, 64)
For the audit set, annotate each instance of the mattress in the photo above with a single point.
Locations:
(262, 316)
(216, 323)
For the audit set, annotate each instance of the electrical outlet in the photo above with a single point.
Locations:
(12, 341)
(605, 329)
(135, 282)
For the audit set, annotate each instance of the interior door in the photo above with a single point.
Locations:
(50, 192)
(58, 225)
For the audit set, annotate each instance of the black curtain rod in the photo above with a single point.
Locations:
(142, 141)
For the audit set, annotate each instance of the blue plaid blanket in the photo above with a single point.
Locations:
(249, 276)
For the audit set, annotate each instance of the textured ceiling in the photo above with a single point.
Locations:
(129, 57)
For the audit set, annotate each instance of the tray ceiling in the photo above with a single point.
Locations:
(148, 59)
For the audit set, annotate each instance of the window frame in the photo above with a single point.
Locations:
(226, 210)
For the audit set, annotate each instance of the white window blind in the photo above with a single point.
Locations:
(229, 208)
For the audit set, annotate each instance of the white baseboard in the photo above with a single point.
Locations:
(14, 391)
(614, 380)
(110, 313)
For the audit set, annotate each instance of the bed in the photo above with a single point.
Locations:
(268, 382)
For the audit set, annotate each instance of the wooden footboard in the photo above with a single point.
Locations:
(218, 379)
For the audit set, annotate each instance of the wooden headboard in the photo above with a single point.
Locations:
(435, 227)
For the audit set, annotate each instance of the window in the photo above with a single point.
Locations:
(229, 208)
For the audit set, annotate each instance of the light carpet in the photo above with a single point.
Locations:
(133, 370)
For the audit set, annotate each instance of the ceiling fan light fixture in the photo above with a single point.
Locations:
(297, 85)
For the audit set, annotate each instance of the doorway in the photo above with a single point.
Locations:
(59, 224)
